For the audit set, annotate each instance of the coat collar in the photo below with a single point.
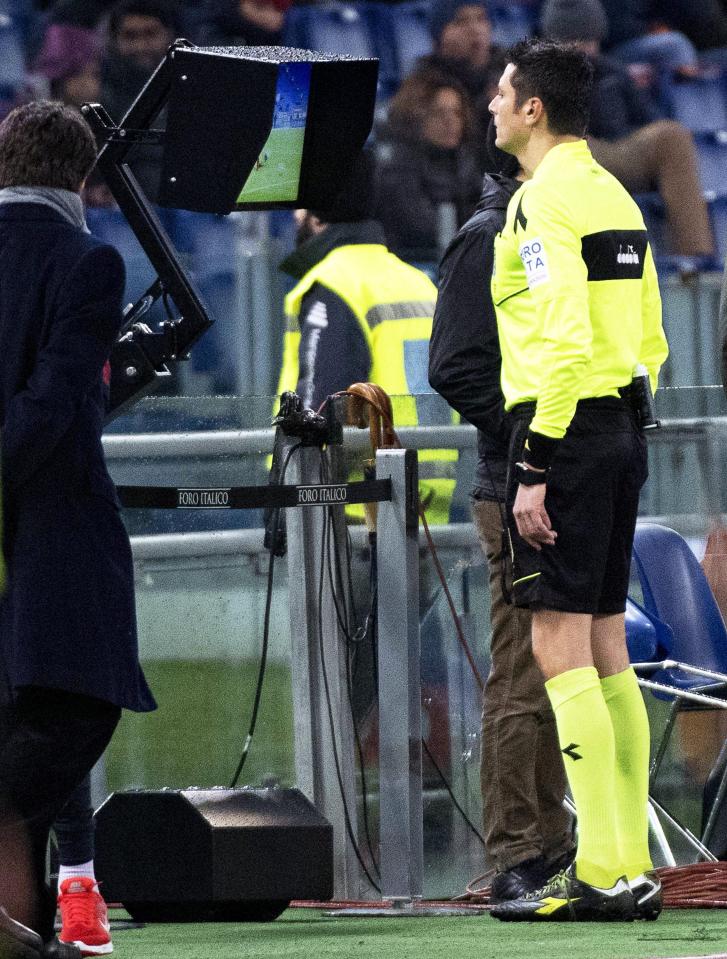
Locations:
(35, 212)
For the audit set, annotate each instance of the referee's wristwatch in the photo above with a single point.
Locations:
(529, 476)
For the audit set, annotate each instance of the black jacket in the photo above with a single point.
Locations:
(67, 619)
(464, 352)
(414, 179)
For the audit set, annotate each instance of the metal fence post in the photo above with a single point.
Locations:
(315, 634)
(400, 727)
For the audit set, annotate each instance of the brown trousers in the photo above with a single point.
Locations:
(521, 772)
(662, 156)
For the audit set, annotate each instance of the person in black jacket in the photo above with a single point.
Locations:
(428, 181)
(527, 831)
(68, 644)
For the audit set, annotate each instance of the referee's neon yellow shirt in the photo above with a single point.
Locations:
(575, 289)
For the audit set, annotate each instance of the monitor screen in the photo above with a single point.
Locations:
(275, 177)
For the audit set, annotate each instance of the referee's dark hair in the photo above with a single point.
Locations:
(45, 144)
(560, 75)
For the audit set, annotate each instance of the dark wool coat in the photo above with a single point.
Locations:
(67, 619)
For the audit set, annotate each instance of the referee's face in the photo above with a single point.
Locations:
(512, 131)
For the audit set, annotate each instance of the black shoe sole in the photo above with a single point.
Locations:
(647, 913)
(582, 914)
(562, 916)
(12, 948)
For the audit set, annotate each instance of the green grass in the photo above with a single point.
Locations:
(277, 178)
(311, 935)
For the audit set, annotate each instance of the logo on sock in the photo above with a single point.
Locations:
(570, 750)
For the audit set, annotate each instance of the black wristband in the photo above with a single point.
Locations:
(530, 477)
(539, 450)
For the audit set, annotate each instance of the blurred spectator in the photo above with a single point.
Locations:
(464, 53)
(70, 60)
(642, 31)
(139, 32)
(79, 13)
(245, 22)
(624, 138)
(429, 182)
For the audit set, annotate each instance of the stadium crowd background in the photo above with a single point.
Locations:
(660, 68)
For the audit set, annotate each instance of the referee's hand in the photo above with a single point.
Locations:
(533, 523)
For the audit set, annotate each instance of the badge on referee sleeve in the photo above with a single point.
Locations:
(535, 261)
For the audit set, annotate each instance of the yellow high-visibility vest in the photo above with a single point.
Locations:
(394, 305)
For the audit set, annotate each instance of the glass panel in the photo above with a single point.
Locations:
(201, 609)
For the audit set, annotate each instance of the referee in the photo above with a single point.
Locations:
(578, 309)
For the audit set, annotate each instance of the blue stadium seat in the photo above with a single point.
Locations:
(718, 214)
(701, 105)
(331, 28)
(207, 245)
(12, 56)
(652, 210)
(111, 226)
(511, 22)
(712, 154)
(401, 34)
(643, 632)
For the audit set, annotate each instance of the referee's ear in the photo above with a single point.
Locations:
(535, 111)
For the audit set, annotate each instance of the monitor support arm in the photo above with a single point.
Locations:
(140, 357)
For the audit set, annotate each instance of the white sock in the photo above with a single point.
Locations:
(81, 869)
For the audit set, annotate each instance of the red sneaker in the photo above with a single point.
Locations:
(84, 916)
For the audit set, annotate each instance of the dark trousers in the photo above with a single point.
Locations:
(521, 772)
(49, 741)
(74, 827)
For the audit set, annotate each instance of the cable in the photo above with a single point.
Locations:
(266, 634)
(331, 721)
(352, 645)
(447, 786)
(383, 434)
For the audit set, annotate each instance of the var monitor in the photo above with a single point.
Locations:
(263, 127)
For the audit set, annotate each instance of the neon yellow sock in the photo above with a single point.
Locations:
(631, 736)
(587, 743)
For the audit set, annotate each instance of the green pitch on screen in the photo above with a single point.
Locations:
(275, 176)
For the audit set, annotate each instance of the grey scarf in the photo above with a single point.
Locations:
(65, 202)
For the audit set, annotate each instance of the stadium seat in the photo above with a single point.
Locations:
(652, 210)
(339, 28)
(112, 227)
(401, 34)
(511, 22)
(712, 154)
(701, 105)
(718, 214)
(693, 671)
(642, 633)
(12, 56)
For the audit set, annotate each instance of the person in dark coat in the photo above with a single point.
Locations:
(67, 620)
(428, 181)
(527, 830)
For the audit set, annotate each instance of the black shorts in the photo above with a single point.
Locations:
(592, 499)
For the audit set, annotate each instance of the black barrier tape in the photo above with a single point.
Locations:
(253, 497)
